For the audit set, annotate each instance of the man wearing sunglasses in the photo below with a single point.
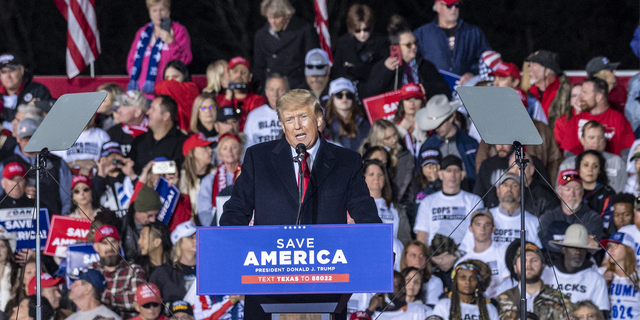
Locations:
(317, 71)
(86, 293)
(149, 303)
(451, 43)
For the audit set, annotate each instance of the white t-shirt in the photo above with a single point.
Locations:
(388, 215)
(624, 298)
(432, 290)
(494, 258)
(88, 146)
(633, 231)
(587, 284)
(414, 311)
(99, 311)
(469, 311)
(440, 214)
(262, 125)
(632, 185)
(507, 229)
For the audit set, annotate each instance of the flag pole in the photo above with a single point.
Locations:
(92, 71)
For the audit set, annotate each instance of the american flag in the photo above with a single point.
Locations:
(322, 26)
(83, 38)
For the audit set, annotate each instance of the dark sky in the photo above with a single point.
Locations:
(577, 29)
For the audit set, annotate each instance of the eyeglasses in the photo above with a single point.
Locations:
(456, 4)
(410, 44)
(151, 305)
(349, 95)
(362, 30)
(77, 191)
(319, 67)
(206, 108)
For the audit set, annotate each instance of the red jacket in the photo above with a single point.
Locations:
(184, 93)
(250, 102)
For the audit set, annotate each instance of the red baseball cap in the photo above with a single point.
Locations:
(449, 2)
(358, 315)
(147, 293)
(569, 175)
(229, 135)
(196, 140)
(506, 69)
(46, 281)
(106, 231)
(80, 178)
(238, 60)
(13, 169)
(411, 90)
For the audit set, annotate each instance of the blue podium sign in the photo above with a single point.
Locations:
(295, 259)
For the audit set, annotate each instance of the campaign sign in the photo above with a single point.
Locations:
(65, 231)
(79, 256)
(169, 197)
(22, 222)
(382, 106)
(295, 259)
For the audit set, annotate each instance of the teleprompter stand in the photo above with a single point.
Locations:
(324, 307)
(59, 131)
(501, 118)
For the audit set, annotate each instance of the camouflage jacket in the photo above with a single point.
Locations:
(546, 305)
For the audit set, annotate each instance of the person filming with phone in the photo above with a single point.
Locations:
(162, 39)
(238, 94)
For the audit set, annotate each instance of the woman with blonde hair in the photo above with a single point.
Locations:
(203, 115)
(154, 40)
(176, 276)
(106, 117)
(384, 133)
(217, 77)
(620, 270)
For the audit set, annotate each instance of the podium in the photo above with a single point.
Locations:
(295, 272)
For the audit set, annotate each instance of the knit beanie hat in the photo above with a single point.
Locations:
(147, 200)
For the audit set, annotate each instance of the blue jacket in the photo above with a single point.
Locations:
(467, 147)
(433, 45)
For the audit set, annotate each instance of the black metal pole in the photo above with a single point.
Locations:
(521, 161)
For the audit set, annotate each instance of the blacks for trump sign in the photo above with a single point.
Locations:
(295, 259)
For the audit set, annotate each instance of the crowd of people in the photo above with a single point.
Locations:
(452, 198)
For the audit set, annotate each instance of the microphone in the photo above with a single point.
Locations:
(301, 149)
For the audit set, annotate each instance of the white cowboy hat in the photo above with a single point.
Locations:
(438, 109)
(576, 236)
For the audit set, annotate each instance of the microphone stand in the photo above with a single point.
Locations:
(521, 161)
(301, 158)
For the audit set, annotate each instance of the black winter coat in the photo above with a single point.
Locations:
(284, 55)
(31, 90)
(354, 59)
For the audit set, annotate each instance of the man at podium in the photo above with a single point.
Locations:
(267, 187)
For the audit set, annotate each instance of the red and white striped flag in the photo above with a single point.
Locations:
(83, 38)
(322, 26)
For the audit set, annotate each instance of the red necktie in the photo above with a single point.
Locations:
(307, 174)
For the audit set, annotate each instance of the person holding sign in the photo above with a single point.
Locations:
(267, 187)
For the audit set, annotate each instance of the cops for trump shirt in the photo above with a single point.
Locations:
(469, 311)
(507, 228)
(262, 125)
(587, 284)
(624, 298)
(494, 258)
(440, 213)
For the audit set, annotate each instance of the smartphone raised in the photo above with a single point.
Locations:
(165, 24)
(395, 52)
(163, 167)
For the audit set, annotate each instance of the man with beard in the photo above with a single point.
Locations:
(594, 101)
(573, 271)
(550, 88)
(542, 300)
(570, 190)
(506, 216)
(492, 169)
(122, 278)
(238, 94)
